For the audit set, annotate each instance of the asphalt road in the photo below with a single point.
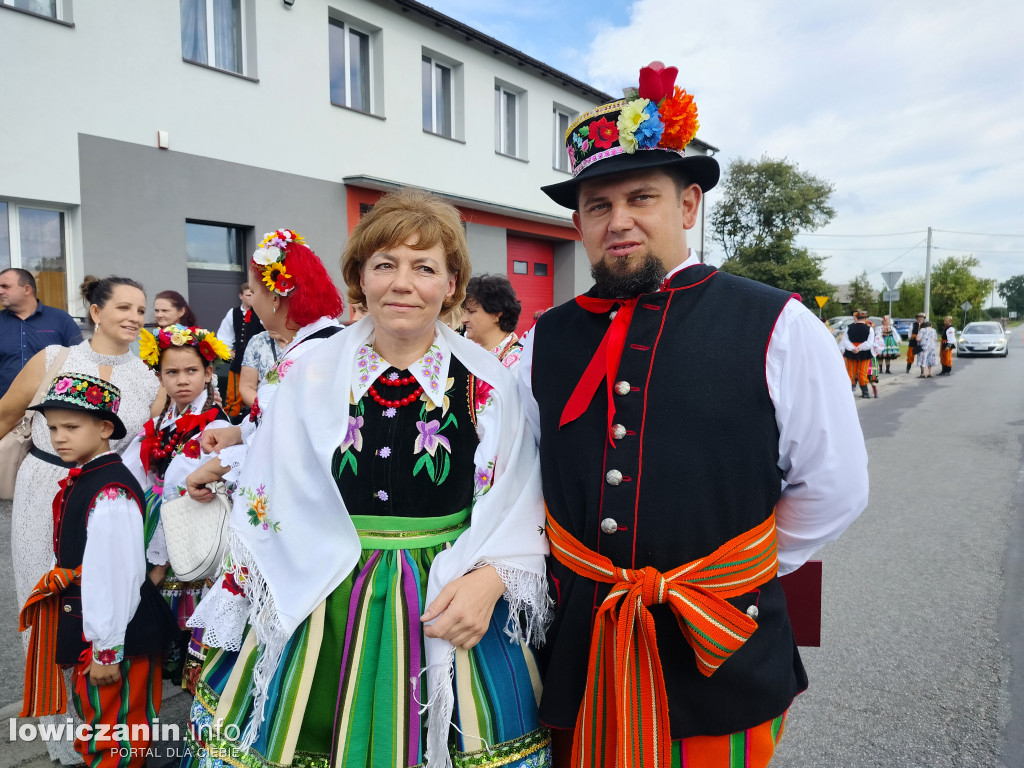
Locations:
(923, 635)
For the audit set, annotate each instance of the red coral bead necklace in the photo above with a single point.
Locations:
(412, 397)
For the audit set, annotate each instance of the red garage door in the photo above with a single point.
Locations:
(531, 269)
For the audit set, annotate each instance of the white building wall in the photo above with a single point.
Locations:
(118, 73)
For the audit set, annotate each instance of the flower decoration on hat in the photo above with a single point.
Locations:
(81, 392)
(657, 115)
(210, 348)
(270, 258)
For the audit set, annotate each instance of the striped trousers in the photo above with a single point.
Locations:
(858, 371)
(119, 710)
(752, 748)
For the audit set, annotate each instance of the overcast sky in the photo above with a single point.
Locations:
(914, 110)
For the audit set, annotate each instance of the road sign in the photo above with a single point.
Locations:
(966, 306)
(821, 300)
(890, 279)
(893, 295)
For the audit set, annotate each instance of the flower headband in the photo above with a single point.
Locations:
(270, 258)
(206, 342)
(657, 115)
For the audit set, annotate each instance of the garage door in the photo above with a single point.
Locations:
(531, 269)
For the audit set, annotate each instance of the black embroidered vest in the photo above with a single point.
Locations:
(144, 634)
(244, 331)
(697, 458)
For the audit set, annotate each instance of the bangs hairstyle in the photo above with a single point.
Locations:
(315, 294)
(397, 218)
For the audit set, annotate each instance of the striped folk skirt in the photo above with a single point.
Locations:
(349, 688)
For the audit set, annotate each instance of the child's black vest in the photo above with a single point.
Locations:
(692, 463)
(147, 631)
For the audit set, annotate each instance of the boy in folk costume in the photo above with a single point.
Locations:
(948, 338)
(107, 626)
(912, 343)
(671, 399)
(857, 344)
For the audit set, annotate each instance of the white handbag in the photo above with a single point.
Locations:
(196, 533)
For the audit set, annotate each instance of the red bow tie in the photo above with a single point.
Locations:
(605, 362)
(248, 315)
(58, 500)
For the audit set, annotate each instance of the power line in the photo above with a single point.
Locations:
(918, 245)
(974, 250)
(891, 248)
(980, 234)
(883, 234)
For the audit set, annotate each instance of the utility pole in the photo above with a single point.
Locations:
(928, 278)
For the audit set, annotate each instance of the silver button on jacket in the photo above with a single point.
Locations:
(618, 431)
(614, 477)
(609, 526)
(622, 388)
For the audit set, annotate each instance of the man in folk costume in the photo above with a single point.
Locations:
(912, 340)
(858, 339)
(673, 403)
(948, 338)
(237, 328)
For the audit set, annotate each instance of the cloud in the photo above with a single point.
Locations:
(914, 110)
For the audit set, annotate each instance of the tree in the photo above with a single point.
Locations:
(862, 295)
(765, 205)
(1012, 292)
(953, 283)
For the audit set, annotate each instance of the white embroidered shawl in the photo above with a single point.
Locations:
(299, 544)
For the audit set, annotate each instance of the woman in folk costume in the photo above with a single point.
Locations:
(856, 344)
(295, 299)
(927, 344)
(491, 314)
(890, 337)
(389, 501)
(167, 449)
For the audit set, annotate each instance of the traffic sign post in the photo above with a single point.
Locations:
(821, 303)
(966, 306)
(890, 279)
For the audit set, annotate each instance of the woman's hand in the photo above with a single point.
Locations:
(210, 472)
(465, 607)
(158, 573)
(102, 674)
(220, 438)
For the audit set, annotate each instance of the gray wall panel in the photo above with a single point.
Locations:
(136, 199)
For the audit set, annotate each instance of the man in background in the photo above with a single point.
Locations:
(27, 325)
(239, 325)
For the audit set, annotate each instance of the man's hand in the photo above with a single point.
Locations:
(465, 606)
(220, 438)
(103, 674)
(196, 483)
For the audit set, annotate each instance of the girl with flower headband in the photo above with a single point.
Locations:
(386, 550)
(163, 454)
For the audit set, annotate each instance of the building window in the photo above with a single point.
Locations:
(437, 97)
(35, 239)
(559, 157)
(520, 267)
(540, 269)
(351, 63)
(213, 32)
(506, 120)
(214, 246)
(59, 10)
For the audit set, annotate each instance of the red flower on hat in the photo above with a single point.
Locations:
(657, 81)
(94, 395)
(603, 133)
(206, 351)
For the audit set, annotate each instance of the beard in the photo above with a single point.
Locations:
(646, 278)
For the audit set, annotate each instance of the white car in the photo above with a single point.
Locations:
(982, 338)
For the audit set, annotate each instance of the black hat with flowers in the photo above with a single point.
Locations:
(78, 392)
(649, 128)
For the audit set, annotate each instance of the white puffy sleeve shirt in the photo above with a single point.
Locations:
(821, 447)
(113, 568)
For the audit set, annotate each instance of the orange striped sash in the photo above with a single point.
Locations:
(632, 729)
(44, 684)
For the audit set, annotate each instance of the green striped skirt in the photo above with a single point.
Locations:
(349, 688)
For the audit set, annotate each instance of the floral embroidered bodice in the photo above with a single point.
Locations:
(414, 460)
